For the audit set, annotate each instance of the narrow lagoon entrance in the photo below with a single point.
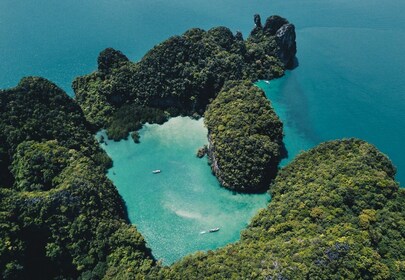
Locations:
(172, 209)
(290, 106)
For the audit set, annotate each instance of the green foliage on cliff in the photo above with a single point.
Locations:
(181, 75)
(131, 117)
(76, 228)
(336, 213)
(35, 165)
(60, 217)
(38, 110)
(245, 137)
(336, 210)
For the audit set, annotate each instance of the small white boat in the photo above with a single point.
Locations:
(156, 171)
(267, 82)
(214, 229)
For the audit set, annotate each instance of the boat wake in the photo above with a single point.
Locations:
(210, 230)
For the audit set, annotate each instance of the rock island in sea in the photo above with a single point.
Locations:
(183, 75)
(336, 210)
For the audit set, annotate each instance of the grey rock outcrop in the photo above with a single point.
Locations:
(284, 33)
(258, 21)
(274, 23)
(285, 38)
(258, 25)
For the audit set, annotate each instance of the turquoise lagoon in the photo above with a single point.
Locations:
(349, 83)
(175, 208)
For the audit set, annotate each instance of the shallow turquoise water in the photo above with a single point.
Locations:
(349, 83)
(172, 208)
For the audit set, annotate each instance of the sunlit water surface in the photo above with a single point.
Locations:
(349, 83)
(175, 208)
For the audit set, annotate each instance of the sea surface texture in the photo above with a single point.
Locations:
(349, 83)
(176, 208)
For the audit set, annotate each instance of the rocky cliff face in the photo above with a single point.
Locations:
(284, 33)
(285, 38)
(214, 163)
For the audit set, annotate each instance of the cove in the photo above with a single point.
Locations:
(172, 208)
(349, 82)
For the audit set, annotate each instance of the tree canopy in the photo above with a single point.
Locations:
(245, 137)
(60, 216)
(181, 75)
(336, 213)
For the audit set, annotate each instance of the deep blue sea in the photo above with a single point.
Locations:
(349, 82)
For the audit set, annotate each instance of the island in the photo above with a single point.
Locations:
(336, 213)
(245, 137)
(60, 216)
(336, 210)
(182, 76)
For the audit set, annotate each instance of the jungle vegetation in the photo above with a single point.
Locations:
(184, 74)
(60, 216)
(245, 137)
(181, 75)
(336, 211)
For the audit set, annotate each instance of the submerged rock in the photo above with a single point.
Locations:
(135, 136)
(202, 151)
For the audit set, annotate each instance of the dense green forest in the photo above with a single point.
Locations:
(60, 217)
(336, 213)
(245, 137)
(184, 74)
(38, 110)
(336, 210)
(181, 75)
